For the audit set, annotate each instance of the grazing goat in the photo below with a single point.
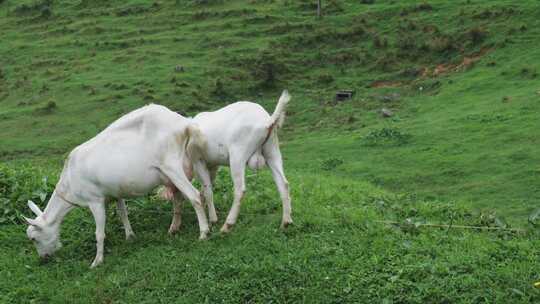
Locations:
(132, 156)
(238, 134)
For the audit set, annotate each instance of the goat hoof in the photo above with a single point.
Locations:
(286, 224)
(226, 228)
(203, 236)
(173, 230)
(212, 224)
(130, 236)
(96, 262)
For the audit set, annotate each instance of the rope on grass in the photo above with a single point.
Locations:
(447, 226)
(518, 230)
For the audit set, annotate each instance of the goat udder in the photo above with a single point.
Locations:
(256, 161)
(167, 192)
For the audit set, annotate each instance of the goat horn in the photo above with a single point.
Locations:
(34, 208)
(32, 222)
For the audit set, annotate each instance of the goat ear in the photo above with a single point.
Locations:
(34, 208)
(32, 222)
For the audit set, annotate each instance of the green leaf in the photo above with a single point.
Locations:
(517, 291)
(500, 223)
(534, 218)
(42, 196)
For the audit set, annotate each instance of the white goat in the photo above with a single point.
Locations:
(132, 156)
(238, 134)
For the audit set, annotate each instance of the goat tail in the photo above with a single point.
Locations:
(257, 161)
(278, 117)
(196, 141)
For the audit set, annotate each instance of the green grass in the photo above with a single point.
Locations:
(336, 251)
(462, 144)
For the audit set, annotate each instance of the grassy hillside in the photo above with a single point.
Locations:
(460, 77)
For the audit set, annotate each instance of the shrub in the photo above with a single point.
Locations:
(331, 163)
(380, 42)
(405, 43)
(19, 185)
(47, 108)
(46, 12)
(132, 10)
(42, 7)
(528, 73)
(477, 35)
(441, 44)
(424, 7)
(219, 89)
(411, 72)
(204, 2)
(266, 68)
(387, 63)
(325, 79)
(386, 136)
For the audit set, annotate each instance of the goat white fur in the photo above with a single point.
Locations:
(238, 134)
(135, 154)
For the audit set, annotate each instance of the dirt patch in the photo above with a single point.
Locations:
(466, 63)
(385, 84)
(441, 69)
